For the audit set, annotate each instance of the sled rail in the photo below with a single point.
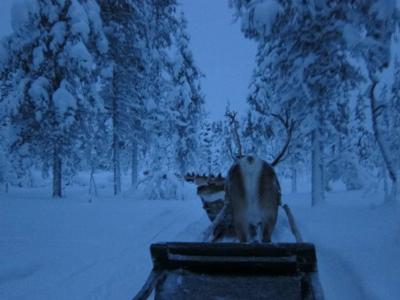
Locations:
(292, 223)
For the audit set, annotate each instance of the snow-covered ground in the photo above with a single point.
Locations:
(72, 249)
(358, 245)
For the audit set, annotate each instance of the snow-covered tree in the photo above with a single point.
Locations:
(214, 151)
(379, 24)
(126, 30)
(370, 38)
(303, 67)
(385, 112)
(51, 60)
(154, 87)
(187, 100)
(4, 160)
(207, 140)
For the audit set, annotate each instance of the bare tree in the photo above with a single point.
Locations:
(376, 111)
(234, 127)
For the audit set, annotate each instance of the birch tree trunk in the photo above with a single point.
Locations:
(385, 184)
(134, 164)
(92, 187)
(116, 142)
(57, 173)
(4, 167)
(294, 180)
(317, 180)
(30, 178)
(391, 170)
(397, 192)
(116, 164)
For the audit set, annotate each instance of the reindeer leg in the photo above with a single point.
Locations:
(259, 232)
(241, 231)
(267, 234)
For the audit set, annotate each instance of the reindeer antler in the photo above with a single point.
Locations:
(288, 124)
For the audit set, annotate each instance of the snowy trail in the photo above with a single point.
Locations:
(356, 248)
(74, 250)
(79, 251)
(333, 267)
(121, 277)
(348, 285)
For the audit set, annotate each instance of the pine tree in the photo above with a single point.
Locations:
(52, 63)
(379, 20)
(303, 67)
(206, 142)
(141, 109)
(187, 100)
(387, 118)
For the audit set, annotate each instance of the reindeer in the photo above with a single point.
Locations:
(210, 189)
(252, 191)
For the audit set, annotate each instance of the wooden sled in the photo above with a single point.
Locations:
(209, 270)
(199, 271)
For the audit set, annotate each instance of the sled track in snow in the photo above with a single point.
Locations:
(121, 275)
(18, 274)
(350, 281)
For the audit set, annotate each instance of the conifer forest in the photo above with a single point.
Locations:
(124, 123)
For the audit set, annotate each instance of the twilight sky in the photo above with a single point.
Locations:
(221, 52)
(5, 12)
(219, 48)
